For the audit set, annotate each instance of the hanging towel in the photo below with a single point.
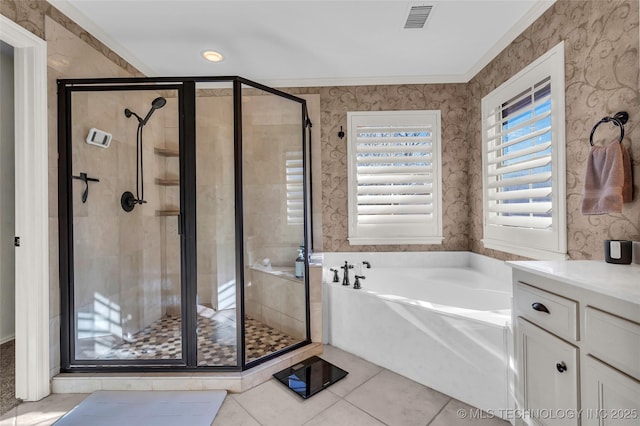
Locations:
(608, 182)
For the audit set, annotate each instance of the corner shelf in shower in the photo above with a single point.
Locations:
(167, 152)
(169, 212)
(168, 181)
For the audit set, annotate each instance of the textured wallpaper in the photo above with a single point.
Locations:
(30, 14)
(452, 100)
(601, 72)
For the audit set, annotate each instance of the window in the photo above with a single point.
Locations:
(394, 177)
(294, 171)
(523, 161)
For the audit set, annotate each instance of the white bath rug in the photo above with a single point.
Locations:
(146, 408)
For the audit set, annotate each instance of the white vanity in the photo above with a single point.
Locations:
(576, 343)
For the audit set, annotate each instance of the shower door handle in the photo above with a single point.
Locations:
(180, 227)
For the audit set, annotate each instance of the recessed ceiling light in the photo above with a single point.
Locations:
(212, 55)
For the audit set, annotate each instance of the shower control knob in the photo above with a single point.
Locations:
(561, 367)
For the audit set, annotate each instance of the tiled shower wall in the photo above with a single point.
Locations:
(118, 255)
(69, 56)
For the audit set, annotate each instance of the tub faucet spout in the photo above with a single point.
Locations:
(367, 264)
(346, 267)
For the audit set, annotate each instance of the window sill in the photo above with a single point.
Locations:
(369, 241)
(529, 252)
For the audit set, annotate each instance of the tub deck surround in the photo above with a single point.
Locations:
(439, 318)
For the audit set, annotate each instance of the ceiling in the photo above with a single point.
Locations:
(307, 42)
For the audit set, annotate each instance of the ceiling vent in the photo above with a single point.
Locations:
(417, 17)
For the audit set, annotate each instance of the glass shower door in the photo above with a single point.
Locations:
(125, 192)
(216, 298)
(274, 226)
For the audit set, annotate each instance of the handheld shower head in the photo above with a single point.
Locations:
(157, 103)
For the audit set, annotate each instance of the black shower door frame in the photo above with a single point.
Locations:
(186, 88)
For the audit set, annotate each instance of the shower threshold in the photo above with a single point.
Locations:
(231, 381)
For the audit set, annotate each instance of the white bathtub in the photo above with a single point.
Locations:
(439, 318)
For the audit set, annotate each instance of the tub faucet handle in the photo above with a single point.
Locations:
(346, 267)
(356, 284)
(335, 275)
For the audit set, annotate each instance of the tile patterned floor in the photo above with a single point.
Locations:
(216, 340)
(7, 376)
(369, 395)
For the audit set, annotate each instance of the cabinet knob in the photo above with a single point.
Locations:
(540, 307)
(561, 367)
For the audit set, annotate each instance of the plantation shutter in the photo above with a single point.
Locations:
(295, 188)
(395, 169)
(519, 160)
(523, 161)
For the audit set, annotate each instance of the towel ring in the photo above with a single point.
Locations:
(619, 119)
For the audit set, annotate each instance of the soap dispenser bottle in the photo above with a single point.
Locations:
(300, 263)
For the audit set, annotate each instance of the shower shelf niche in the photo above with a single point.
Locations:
(167, 152)
(168, 181)
(168, 212)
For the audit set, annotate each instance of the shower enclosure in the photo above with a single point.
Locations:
(180, 226)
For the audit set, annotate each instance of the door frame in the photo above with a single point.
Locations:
(32, 211)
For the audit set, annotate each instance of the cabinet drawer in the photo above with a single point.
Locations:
(550, 311)
(610, 398)
(614, 340)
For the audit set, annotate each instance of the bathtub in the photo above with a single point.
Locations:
(439, 318)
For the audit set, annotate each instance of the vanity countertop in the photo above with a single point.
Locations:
(618, 281)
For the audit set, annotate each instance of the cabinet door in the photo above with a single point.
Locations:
(610, 397)
(548, 376)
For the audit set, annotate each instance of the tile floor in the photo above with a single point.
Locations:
(7, 376)
(369, 395)
(216, 341)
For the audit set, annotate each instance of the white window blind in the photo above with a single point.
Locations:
(523, 161)
(519, 186)
(295, 188)
(394, 173)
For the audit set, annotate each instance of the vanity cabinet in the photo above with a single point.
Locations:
(549, 373)
(577, 343)
(548, 364)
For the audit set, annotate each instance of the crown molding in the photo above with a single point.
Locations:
(518, 28)
(523, 23)
(365, 81)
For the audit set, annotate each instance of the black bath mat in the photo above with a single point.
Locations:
(310, 376)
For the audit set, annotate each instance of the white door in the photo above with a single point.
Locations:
(7, 195)
(32, 211)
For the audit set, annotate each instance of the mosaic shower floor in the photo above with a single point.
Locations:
(216, 340)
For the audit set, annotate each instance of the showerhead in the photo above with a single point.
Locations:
(157, 103)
